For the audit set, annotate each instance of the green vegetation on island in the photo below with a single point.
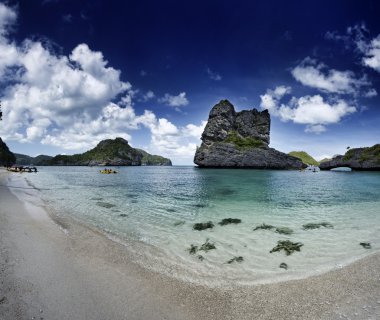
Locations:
(304, 157)
(109, 152)
(242, 142)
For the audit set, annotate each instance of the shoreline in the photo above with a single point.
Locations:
(81, 274)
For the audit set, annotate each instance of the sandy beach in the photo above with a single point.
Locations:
(58, 269)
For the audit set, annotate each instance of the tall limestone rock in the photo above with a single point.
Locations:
(7, 158)
(240, 139)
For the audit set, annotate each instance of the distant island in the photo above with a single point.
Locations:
(304, 157)
(364, 159)
(240, 140)
(108, 152)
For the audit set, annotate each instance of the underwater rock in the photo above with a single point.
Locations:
(200, 257)
(207, 246)
(123, 215)
(203, 225)
(179, 223)
(200, 205)
(134, 201)
(365, 245)
(283, 265)
(284, 230)
(193, 249)
(105, 204)
(97, 199)
(288, 246)
(170, 210)
(229, 221)
(236, 259)
(310, 226)
(264, 227)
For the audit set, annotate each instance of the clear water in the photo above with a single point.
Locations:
(156, 199)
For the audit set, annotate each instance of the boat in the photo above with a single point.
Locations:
(107, 171)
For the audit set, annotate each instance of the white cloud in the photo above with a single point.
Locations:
(312, 111)
(213, 75)
(316, 75)
(317, 128)
(71, 101)
(148, 96)
(370, 93)
(372, 54)
(195, 131)
(8, 18)
(271, 98)
(174, 101)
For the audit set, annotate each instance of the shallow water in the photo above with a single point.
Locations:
(159, 205)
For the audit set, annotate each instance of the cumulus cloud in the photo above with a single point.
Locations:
(73, 102)
(174, 101)
(316, 75)
(213, 75)
(171, 141)
(372, 54)
(313, 111)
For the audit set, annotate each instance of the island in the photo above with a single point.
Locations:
(361, 159)
(109, 152)
(240, 140)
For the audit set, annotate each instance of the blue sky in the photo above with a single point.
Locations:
(75, 72)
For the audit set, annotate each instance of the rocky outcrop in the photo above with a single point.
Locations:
(7, 158)
(110, 152)
(240, 139)
(365, 159)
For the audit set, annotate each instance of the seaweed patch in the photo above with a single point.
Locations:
(264, 227)
(236, 259)
(229, 221)
(288, 246)
(203, 226)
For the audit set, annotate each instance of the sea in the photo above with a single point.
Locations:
(152, 211)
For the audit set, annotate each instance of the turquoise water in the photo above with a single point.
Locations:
(161, 205)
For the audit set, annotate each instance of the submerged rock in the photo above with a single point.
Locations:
(264, 227)
(283, 265)
(179, 223)
(200, 257)
(236, 259)
(240, 139)
(207, 246)
(309, 226)
(105, 204)
(284, 230)
(365, 245)
(203, 226)
(288, 246)
(123, 215)
(229, 221)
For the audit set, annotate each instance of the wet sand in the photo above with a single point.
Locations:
(58, 269)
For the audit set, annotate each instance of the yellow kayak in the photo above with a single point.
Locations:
(107, 171)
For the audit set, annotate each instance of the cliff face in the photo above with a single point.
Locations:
(240, 139)
(109, 152)
(7, 158)
(356, 159)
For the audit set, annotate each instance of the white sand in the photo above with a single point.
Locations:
(80, 274)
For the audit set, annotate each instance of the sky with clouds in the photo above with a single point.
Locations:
(73, 73)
